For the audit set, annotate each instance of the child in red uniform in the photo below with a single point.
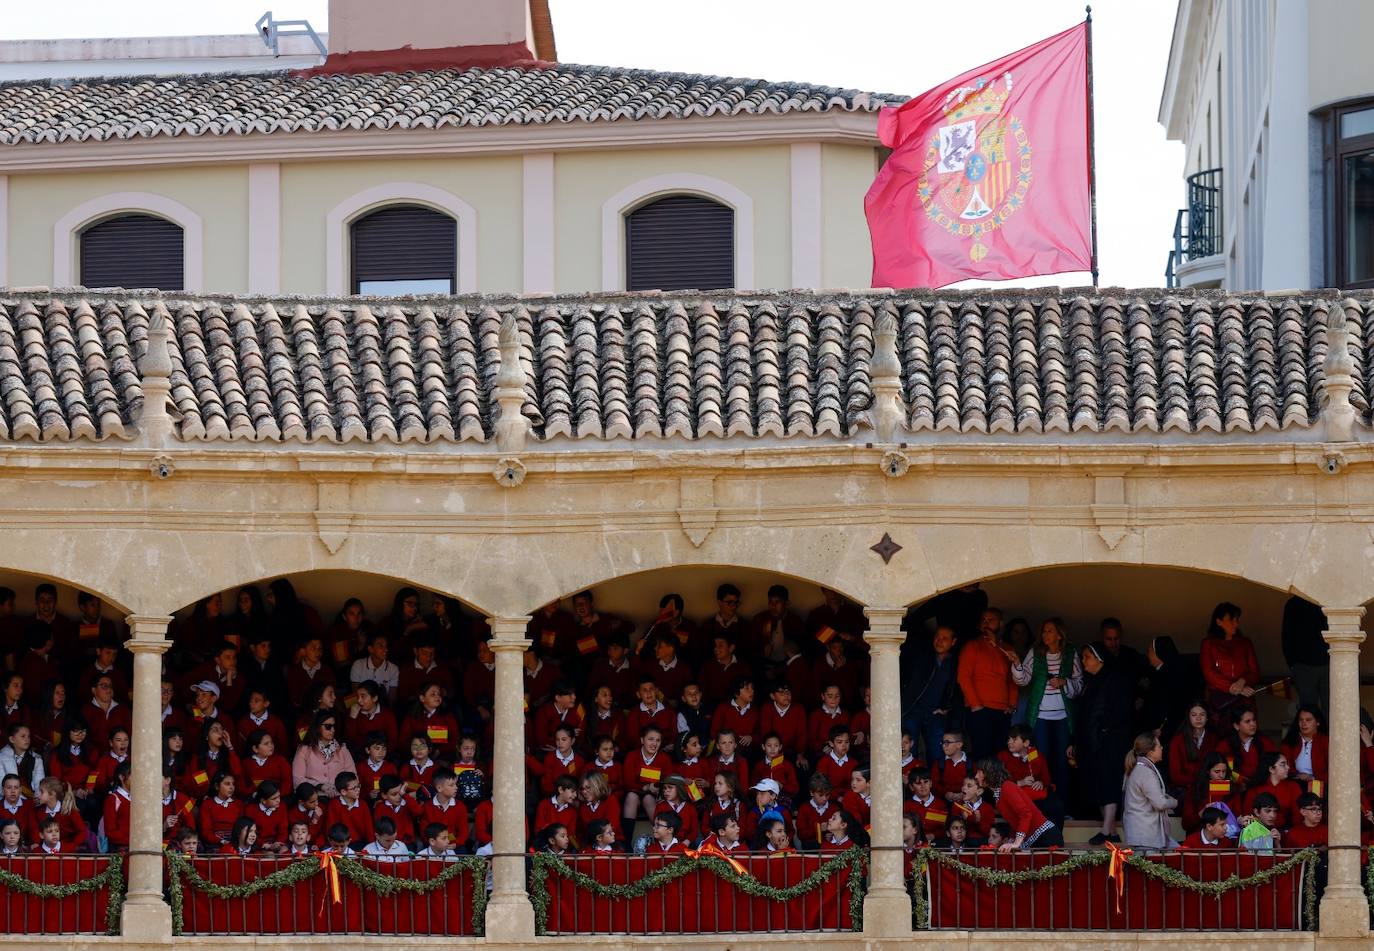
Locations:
(393, 803)
(676, 800)
(373, 767)
(368, 717)
(14, 805)
(117, 805)
(776, 841)
(644, 770)
(262, 765)
(604, 720)
(1188, 748)
(1271, 776)
(725, 795)
(843, 832)
(213, 756)
(431, 721)
(978, 816)
(909, 759)
(787, 720)
(693, 767)
(11, 838)
(560, 761)
(308, 809)
(73, 760)
(561, 807)
(1212, 784)
(219, 810)
(445, 807)
(260, 717)
(665, 841)
(299, 839)
(598, 804)
(50, 841)
(1210, 833)
(243, 838)
(603, 762)
(857, 800)
(56, 801)
(949, 774)
(738, 715)
(349, 810)
(728, 759)
(930, 813)
(267, 813)
(600, 837)
(1311, 831)
(649, 710)
(1245, 745)
(561, 710)
(117, 754)
(815, 812)
(835, 764)
(1024, 764)
(1029, 827)
(725, 835)
(774, 765)
(418, 774)
(823, 720)
(178, 811)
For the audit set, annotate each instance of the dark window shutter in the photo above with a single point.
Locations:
(133, 251)
(405, 243)
(680, 242)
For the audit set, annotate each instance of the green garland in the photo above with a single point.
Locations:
(180, 869)
(853, 859)
(1151, 869)
(112, 878)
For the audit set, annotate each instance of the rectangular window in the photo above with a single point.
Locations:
(1358, 211)
(1350, 134)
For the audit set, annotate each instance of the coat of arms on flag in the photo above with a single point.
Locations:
(977, 169)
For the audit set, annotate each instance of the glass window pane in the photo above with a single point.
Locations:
(400, 288)
(1357, 123)
(1359, 217)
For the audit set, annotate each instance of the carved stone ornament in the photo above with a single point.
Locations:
(697, 511)
(509, 472)
(162, 466)
(334, 515)
(894, 464)
(886, 548)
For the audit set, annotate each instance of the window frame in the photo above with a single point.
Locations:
(1338, 150)
(355, 285)
(80, 259)
(654, 200)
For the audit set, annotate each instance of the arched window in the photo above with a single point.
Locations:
(133, 250)
(680, 242)
(404, 249)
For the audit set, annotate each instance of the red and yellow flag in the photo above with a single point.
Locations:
(989, 176)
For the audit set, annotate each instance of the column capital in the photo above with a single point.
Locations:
(508, 633)
(149, 627)
(1343, 631)
(884, 625)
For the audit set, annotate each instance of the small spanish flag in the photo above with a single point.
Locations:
(412, 785)
(693, 793)
(437, 734)
(202, 778)
(580, 711)
(1317, 788)
(1032, 756)
(933, 815)
(650, 775)
(1218, 789)
(587, 645)
(775, 762)
(826, 634)
(527, 703)
(340, 652)
(89, 631)
(964, 809)
(90, 779)
(189, 807)
(459, 769)
(377, 784)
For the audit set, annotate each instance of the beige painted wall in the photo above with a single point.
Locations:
(310, 190)
(219, 195)
(846, 173)
(1339, 64)
(584, 181)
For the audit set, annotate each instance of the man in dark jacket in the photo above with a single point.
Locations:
(1305, 650)
(931, 702)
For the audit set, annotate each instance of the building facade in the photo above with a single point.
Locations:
(1272, 103)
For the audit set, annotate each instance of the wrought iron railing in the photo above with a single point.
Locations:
(1198, 227)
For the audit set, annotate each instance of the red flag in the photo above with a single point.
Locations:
(989, 174)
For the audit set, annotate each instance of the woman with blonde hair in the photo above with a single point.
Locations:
(1145, 816)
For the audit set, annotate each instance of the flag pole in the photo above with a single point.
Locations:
(1092, 147)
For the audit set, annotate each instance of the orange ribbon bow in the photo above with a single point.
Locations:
(1116, 869)
(710, 848)
(331, 872)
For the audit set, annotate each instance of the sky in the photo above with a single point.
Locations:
(896, 46)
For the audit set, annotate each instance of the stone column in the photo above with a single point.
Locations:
(510, 916)
(887, 906)
(146, 917)
(1344, 907)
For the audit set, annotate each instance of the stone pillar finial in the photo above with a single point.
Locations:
(1338, 413)
(512, 428)
(155, 372)
(888, 414)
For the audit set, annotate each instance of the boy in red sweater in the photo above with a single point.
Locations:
(219, 811)
(978, 816)
(348, 810)
(117, 810)
(1310, 830)
(824, 719)
(774, 766)
(930, 812)
(836, 765)
(560, 761)
(1211, 835)
(815, 812)
(739, 715)
(949, 775)
(787, 720)
(445, 807)
(375, 767)
(559, 808)
(399, 808)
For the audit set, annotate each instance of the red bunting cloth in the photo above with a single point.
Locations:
(307, 907)
(83, 913)
(1086, 898)
(988, 177)
(699, 902)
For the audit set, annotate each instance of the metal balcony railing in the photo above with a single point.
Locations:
(1197, 228)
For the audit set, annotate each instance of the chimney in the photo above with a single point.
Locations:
(393, 35)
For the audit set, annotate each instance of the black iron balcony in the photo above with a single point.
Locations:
(1197, 228)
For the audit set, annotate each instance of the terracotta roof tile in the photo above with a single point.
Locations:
(241, 104)
(612, 367)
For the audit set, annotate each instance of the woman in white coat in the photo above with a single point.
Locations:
(1145, 818)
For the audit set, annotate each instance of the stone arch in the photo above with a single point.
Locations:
(36, 575)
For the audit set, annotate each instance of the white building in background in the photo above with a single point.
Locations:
(1274, 103)
(153, 56)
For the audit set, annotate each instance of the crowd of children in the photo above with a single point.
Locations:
(284, 734)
